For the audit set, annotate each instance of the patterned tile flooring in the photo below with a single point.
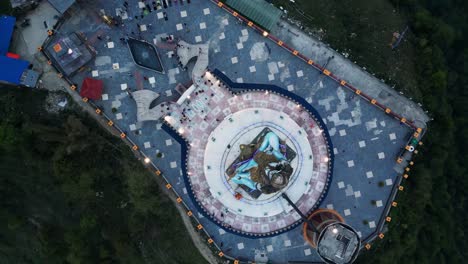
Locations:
(212, 105)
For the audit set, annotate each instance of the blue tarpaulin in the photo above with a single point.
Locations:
(12, 69)
(7, 24)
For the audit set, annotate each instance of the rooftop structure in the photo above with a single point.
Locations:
(7, 25)
(261, 12)
(69, 53)
(338, 243)
(12, 69)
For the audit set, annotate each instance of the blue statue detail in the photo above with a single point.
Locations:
(268, 169)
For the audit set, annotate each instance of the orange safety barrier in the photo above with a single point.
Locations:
(168, 186)
(388, 219)
(98, 111)
(110, 123)
(381, 235)
(73, 87)
(310, 62)
(122, 135)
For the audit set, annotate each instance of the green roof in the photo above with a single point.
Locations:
(259, 11)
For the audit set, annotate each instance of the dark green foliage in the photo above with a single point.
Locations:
(431, 64)
(70, 193)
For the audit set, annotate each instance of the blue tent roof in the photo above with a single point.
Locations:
(12, 69)
(7, 24)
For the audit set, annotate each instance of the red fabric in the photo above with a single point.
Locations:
(91, 88)
(12, 55)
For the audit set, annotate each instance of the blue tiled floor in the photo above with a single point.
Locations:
(349, 119)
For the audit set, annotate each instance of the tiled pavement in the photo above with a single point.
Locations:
(212, 108)
(366, 141)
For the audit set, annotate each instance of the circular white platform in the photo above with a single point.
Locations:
(241, 128)
(233, 120)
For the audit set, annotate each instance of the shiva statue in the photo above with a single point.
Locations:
(263, 166)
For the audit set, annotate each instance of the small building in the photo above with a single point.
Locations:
(91, 89)
(69, 53)
(261, 12)
(23, 4)
(13, 70)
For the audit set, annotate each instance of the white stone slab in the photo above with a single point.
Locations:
(362, 144)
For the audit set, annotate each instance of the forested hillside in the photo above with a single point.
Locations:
(430, 225)
(71, 193)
